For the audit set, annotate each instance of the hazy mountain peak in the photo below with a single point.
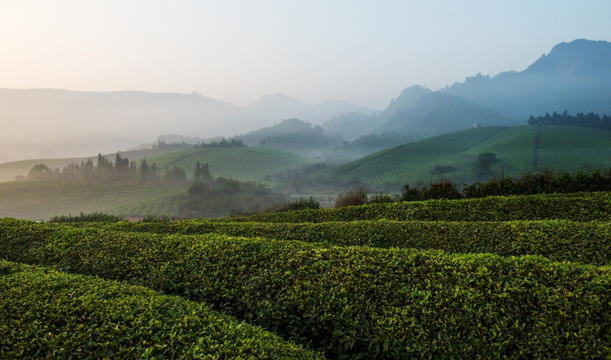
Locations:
(578, 56)
(279, 99)
(574, 76)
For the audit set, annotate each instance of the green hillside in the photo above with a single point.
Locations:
(251, 163)
(517, 150)
(40, 200)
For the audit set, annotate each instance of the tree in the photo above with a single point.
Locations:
(202, 172)
(484, 163)
(144, 170)
(40, 172)
(175, 175)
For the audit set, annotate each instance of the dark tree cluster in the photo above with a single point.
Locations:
(105, 171)
(222, 144)
(589, 120)
(202, 173)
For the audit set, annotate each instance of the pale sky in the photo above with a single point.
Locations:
(363, 52)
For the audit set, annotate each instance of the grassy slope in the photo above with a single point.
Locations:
(560, 148)
(251, 163)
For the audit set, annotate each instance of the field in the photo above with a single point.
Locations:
(517, 276)
(559, 149)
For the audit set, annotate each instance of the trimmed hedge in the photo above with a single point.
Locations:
(577, 206)
(45, 314)
(559, 240)
(363, 302)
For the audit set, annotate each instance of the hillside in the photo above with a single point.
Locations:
(558, 149)
(40, 200)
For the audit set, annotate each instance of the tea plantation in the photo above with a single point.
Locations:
(497, 277)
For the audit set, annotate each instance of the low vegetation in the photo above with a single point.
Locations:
(45, 314)
(354, 301)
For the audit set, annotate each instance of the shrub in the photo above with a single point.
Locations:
(91, 217)
(351, 198)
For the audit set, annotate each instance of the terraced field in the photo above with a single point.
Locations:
(515, 277)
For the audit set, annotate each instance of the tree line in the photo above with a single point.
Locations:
(222, 144)
(122, 170)
(589, 120)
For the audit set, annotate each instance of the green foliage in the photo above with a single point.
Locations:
(45, 314)
(90, 217)
(358, 301)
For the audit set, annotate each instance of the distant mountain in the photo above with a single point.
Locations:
(273, 108)
(574, 76)
(76, 123)
(437, 113)
(350, 126)
(292, 135)
(86, 123)
(408, 98)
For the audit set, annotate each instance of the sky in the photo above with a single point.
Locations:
(363, 52)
